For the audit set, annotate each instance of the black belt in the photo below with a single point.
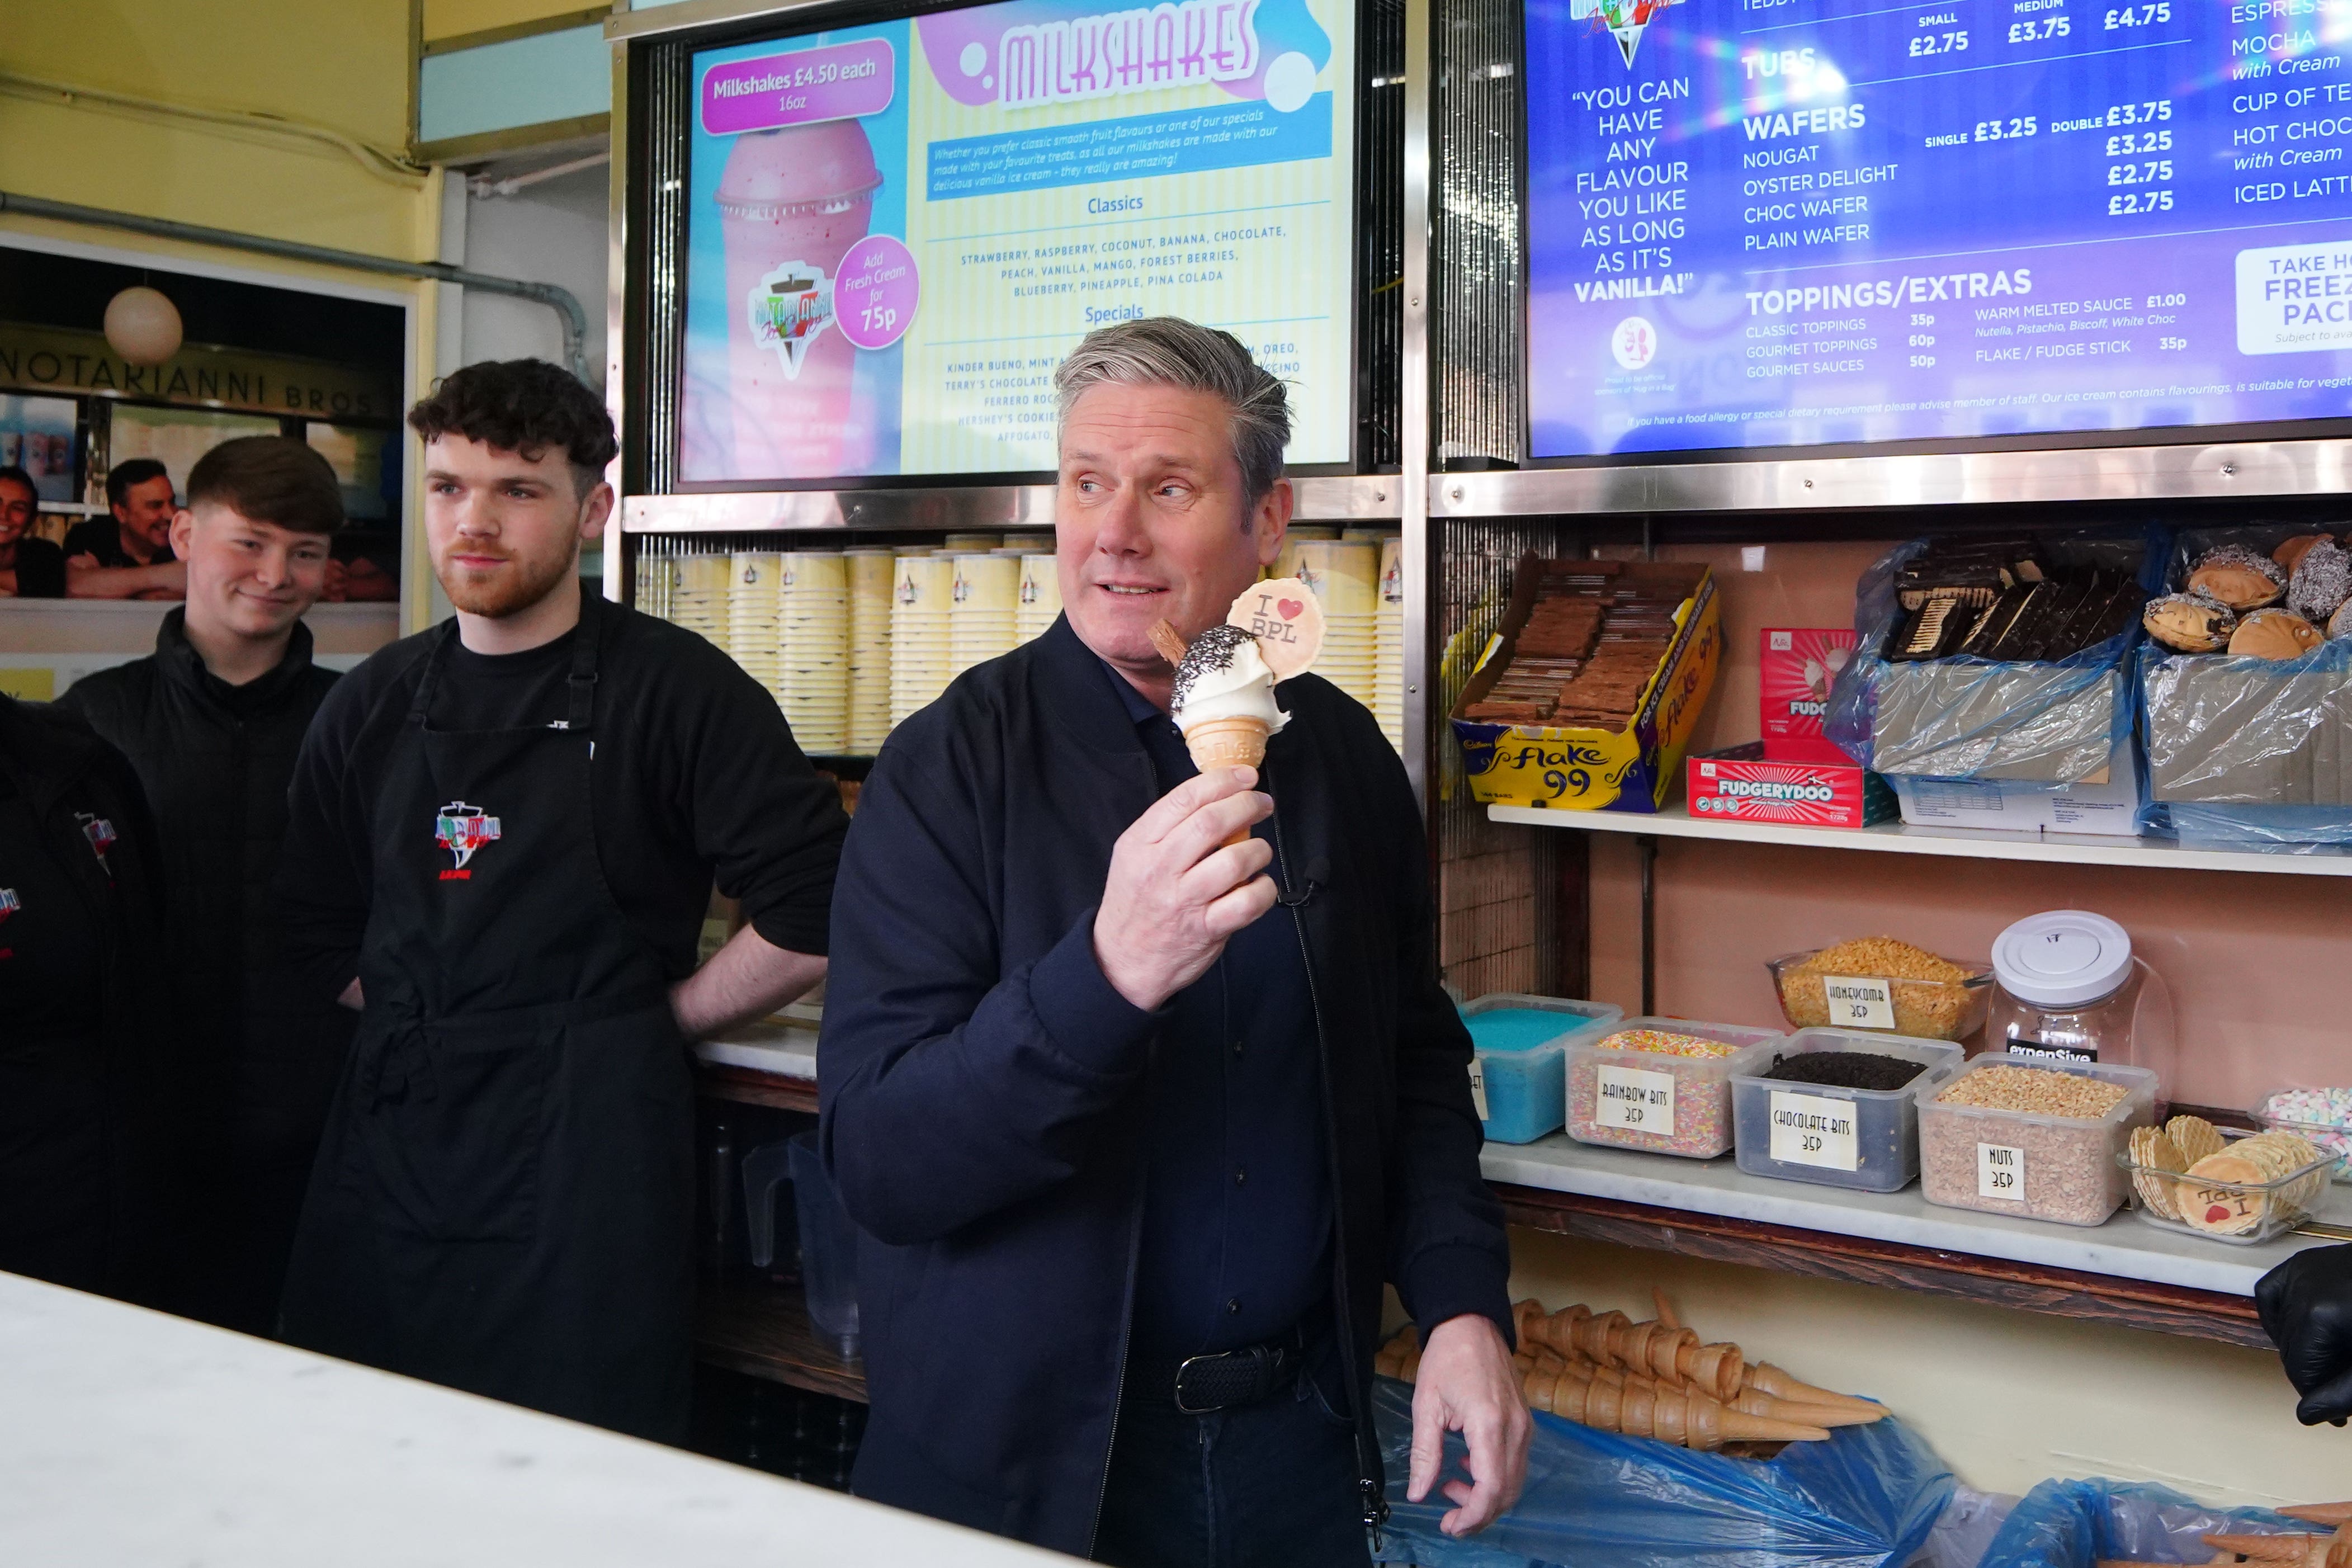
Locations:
(1201, 1384)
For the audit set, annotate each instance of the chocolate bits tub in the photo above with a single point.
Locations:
(1663, 1084)
(2032, 1136)
(1801, 1129)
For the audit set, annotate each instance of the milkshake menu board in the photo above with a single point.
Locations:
(1772, 223)
(895, 231)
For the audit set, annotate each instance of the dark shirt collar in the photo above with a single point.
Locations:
(181, 661)
(1140, 708)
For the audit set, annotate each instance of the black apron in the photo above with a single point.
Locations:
(504, 1202)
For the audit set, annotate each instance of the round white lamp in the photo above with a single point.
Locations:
(142, 326)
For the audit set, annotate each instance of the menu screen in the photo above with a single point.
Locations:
(1771, 223)
(895, 231)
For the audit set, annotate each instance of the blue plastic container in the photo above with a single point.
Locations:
(1519, 1076)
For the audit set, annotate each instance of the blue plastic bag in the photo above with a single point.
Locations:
(2073, 1524)
(2039, 725)
(1868, 1496)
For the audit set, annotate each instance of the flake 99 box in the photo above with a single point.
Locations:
(1808, 783)
(1586, 695)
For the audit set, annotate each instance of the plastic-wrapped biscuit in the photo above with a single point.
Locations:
(2190, 623)
(2322, 582)
(2274, 634)
(2239, 577)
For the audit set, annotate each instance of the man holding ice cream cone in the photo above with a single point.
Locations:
(1133, 1150)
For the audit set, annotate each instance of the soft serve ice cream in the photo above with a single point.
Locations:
(1222, 677)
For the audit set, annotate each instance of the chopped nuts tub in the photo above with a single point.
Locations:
(2033, 1137)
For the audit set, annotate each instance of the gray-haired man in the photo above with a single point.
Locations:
(1134, 1151)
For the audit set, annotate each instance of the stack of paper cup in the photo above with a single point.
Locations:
(986, 595)
(813, 683)
(754, 635)
(1388, 643)
(1041, 596)
(1286, 564)
(700, 599)
(1345, 575)
(922, 585)
(870, 569)
(961, 543)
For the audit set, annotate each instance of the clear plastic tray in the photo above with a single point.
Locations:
(1687, 1098)
(2245, 1213)
(2329, 1137)
(1875, 1149)
(1521, 1085)
(2062, 1168)
(1921, 1009)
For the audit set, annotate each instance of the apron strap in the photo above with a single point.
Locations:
(433, 659)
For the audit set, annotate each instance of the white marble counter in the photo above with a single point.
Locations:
(2124, 1246)
(129, 1439)
(786, 1048)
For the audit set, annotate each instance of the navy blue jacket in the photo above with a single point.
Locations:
(983, 1080)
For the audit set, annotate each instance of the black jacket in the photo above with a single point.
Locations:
(261, 1051)
(981, 1084)
(82, 1023)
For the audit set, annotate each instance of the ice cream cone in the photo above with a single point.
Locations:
(1773, 1381)
(1236, 742)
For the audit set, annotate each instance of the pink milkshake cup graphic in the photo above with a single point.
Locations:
(792, 202)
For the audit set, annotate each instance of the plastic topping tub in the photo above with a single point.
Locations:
(2242, 1213)
(1865, 1138)
(1519, 1077)
(1919, 1009)
(1657, 1101)
(2322, 1117)
(2035, 1165)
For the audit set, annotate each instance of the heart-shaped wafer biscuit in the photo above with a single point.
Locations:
(1287, 618)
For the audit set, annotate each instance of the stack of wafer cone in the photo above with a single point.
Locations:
(1654, 1380)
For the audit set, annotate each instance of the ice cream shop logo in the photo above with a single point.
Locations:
(1624, 20)
(461, 829)
(9, 904)
(98, 831)
(790, 306)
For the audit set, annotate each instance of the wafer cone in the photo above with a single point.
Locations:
(1238, 742)
(1763, 1374)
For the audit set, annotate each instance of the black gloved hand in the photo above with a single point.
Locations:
(2306, 1308)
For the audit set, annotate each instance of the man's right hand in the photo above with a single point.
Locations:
(1177, 891)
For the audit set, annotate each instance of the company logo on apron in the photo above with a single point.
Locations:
(98, 831)
(9, 904)
(461, 829)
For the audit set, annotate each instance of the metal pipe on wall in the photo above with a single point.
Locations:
(1412, 423)
(575, 321)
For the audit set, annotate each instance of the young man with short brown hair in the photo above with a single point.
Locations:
(212, 721)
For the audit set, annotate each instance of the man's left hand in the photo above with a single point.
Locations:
(1467, 1385)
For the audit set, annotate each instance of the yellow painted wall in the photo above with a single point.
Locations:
(2007, 1398)
(454, 18)
(343, 65)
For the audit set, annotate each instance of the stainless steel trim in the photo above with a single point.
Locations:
(688, 14)
(617, 578)
(1413, 408)
(1347, 498)
(2103, 473)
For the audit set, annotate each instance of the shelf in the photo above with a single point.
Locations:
(766, 1063)
(1967, 844)
(1361, 498)
(2123, 1272)
(763, 1331)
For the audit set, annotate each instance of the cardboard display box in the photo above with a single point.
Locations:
(1577, 769)
(1812, 784)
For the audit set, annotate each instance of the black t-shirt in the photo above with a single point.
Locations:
(53, 939)
(695, 775)
(102, 537)
(40, 569)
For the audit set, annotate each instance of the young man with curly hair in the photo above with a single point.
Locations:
(506, 830)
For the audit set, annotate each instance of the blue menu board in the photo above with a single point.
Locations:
(1775, 223)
